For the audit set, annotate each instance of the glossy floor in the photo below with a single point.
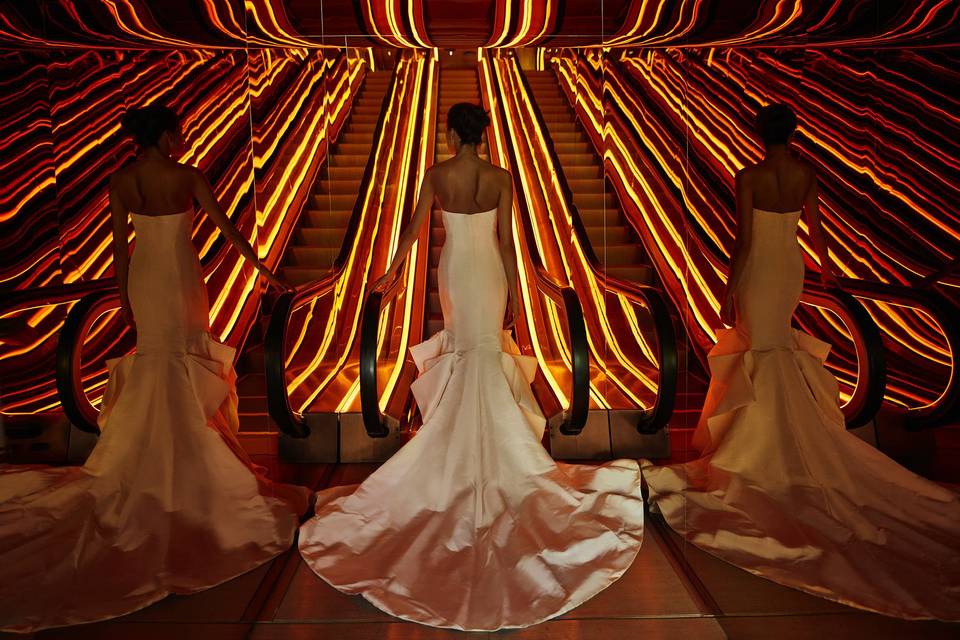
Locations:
(671, 591)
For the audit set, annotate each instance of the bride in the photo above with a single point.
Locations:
(168, 501)
(782, 489)
(472, 525)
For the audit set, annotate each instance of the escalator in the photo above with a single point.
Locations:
(317, 240)
(631, 340)
(611, 237)
(319, 237)
(636, 127)
(917, 336)
(314, 340)
(461, 85)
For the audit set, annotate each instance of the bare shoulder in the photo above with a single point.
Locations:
(502, 176)
(190, 172)
(746, 175)
(192, 176)
(438, 167)
(806, 168)
(121, 176)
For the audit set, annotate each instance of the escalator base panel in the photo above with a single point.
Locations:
(338, 438)
(592, 443)
(607, 435)
(357, 446)
(626, 442)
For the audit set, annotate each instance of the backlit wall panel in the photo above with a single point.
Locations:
(31, 251)
(114, 24)
(887, 180)
(671, 101)
(256, 125)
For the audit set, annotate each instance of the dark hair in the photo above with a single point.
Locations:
(468, 120)
(775, 123)
(147, 124)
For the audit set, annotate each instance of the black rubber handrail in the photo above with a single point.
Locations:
(375, 422)
(869, 392)
(946, 316)
(23, 299)
(656, 418)
(275, 340)
(76, 406)
(566, 298)
(867, 398)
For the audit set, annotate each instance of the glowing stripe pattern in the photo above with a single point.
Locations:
(139, 24)
(260, 90)
(287, 99)
(624, 371)
(676, 124)
(323, 354)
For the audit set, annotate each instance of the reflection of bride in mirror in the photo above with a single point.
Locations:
(782, 489)
(168, 501)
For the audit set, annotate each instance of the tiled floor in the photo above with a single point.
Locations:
(672, 591)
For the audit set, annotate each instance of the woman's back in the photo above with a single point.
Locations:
(154, 186)
(780, 183)
(468, 184)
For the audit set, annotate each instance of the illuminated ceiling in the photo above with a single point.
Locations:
(475, 23)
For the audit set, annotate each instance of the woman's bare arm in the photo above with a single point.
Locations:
(121, 248)
(205, 196)
(508, 251)
(741, 246)
(412, 231)
(811, 206)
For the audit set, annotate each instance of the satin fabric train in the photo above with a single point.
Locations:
(781, 488)
(168, 501)
(472, 525)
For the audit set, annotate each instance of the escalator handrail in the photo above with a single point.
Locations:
(275, 338)
(656, 418)
(76, 406)
(947, 318)
(867, 397)
(871, 356)
(23, 299)
(566, 298)
(375, 422)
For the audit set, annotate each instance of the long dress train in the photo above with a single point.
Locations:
(782, 489)
(472, 525)
(167, 502)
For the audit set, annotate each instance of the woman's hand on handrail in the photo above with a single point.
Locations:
(513, 311)
(383, 283)
(274, 279)
(126, 311)
(828, 278)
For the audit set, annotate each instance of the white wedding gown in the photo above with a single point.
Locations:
(782, 489)
(472, 525)
(168, 501)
